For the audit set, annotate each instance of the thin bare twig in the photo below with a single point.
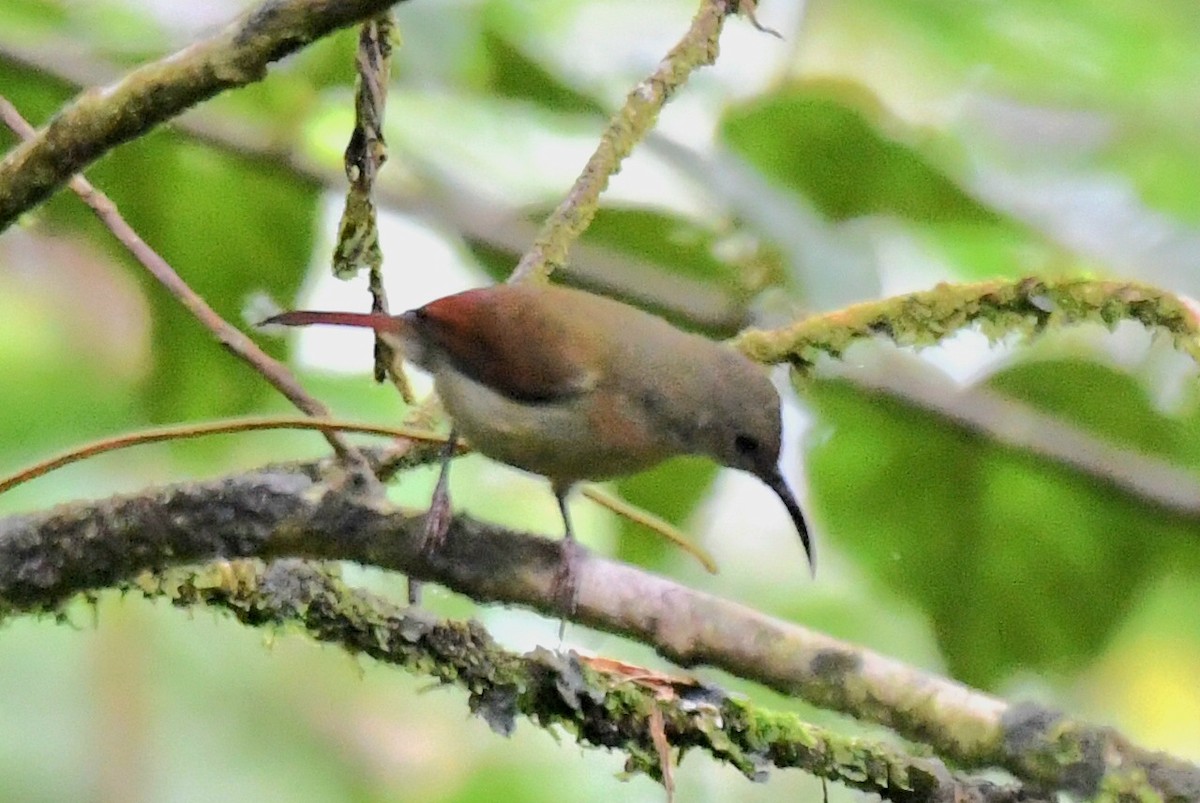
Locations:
(229, 336)
(654, 524)
(219, 427)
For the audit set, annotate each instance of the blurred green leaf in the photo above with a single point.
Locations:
(661, 241)
(229, 225)
(1038, 563)
(31, 17)
(816, 140)
(1120, 51)
(834, 144)
(677, 244)
(64, 390)
(1099, 399)
(35, 96)
(978, 250)
(1129, 66)
(1161, 167)
(115, 29)
(670, 491)
(512, 74)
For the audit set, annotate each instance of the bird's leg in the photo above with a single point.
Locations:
(566, 588)
(437, 520)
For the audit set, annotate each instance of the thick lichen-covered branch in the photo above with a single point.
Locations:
(47, 557)
(596, 704)
(1021, 307)
(101, 118)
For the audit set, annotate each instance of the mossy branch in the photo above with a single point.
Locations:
(101, 118)
(1024, 307)
(47, 557)
(598, 706)
(998, 308)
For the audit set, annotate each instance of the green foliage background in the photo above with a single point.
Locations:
(882, 146)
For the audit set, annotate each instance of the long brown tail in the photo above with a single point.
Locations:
(366, 320)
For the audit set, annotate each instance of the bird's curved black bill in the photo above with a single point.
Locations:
(777, 484)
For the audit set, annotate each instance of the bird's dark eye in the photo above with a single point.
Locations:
(745, 444)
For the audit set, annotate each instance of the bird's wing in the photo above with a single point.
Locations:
(521, 351)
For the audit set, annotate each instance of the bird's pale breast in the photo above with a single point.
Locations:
(595, 435)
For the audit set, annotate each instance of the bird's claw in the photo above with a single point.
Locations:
(437, 524)
(437, 520)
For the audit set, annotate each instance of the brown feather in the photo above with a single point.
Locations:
(475, 331)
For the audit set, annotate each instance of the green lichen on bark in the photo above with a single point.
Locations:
(960, 732)
(785, 740)
(998, 309)
(552, 689)
(296, 596)
(1131, 787)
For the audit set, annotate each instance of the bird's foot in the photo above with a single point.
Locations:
(566, 582)
(437, 524)
(437, 520)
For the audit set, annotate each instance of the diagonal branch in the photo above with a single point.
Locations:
(697, 48)
(229, 336)
(284, 512)
(102, 118)
(479, 219)
(1024, 427)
